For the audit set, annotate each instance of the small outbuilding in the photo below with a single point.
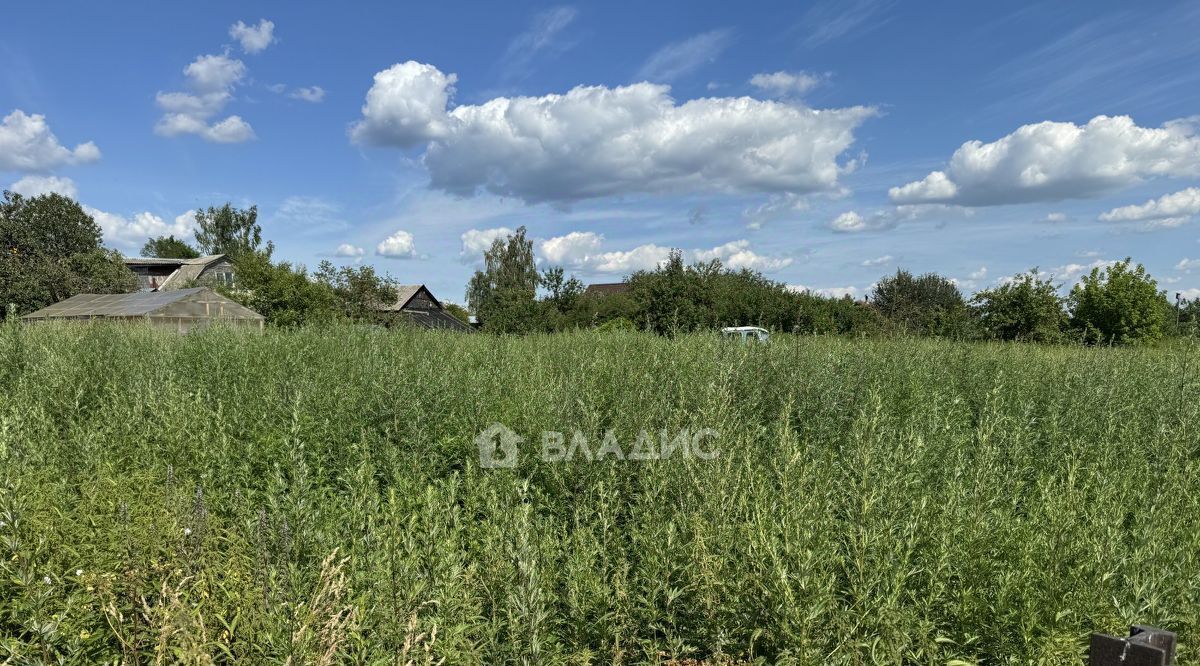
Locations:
(181, 310)
(417, 305)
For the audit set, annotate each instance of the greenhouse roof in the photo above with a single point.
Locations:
(196, 303)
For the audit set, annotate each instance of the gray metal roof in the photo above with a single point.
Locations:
(195, 303)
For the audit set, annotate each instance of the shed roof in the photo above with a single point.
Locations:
(197, 303)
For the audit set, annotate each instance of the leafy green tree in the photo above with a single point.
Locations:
(231, 231)
(286, 295)
(675, 297)
(1118, 305)
(359, 291)
(458, 312)
(926, 305)
(561, 299)
(504, 294)
(169, 247)
(1026, 307)
(50, 250)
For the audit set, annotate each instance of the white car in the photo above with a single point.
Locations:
(747, 333)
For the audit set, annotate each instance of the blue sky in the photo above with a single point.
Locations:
(824, 143)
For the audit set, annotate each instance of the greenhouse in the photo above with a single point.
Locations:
(180, 310)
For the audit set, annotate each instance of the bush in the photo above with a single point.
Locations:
(1024, 308)
(926, 305)
(1118, 305)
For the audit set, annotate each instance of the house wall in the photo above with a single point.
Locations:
(421, 301)
(152, 277)
(216, 273)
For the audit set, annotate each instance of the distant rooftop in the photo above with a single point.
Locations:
(606, 288)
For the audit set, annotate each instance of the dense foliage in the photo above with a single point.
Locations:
(169, 247)
(1027, 307)
(50, 250)
(231, 231)
(1119, 304)
(316, 495)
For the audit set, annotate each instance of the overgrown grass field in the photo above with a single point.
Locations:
(317, 496)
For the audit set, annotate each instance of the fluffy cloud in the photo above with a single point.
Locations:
(783, 84)
(131, 232)
(32, 186)
(888, 218)
(312, 94)
(878, 261)
(1070, 273)
(827, 292)
(349, 251)
(212, 79)
(737, 255)
(583, 250)
(27, 144)
(253, 38)
(406, 106)
(397, 246)
(595, 141)
(1177, 207)
(1053, 161)
(215, 73)
(476, 241)
(1188, 265)
(684, 57)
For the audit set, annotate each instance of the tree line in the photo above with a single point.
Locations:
(1117, 304)
(51, 249)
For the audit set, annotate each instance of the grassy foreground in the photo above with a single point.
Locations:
(317, 496)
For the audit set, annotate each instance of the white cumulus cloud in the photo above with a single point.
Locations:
(584, 251)
(253, 38)
(397, 246)
(596, 141)
(476, 241)
(827, 292)
(888, 218)
(131, 232)
(1182, 204)
(27, 144)
(32, 186)
(1188, 265)
(212, 79)
(878, 261)
(1055, 161)
(349, 251)
(312, 94)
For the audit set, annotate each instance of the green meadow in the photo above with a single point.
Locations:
(316, 496)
